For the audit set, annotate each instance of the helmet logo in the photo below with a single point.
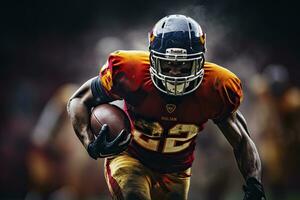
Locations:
(202, 39)
(151, 37)
(170, 108)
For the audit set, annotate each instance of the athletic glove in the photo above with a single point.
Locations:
(101, 148)
(253, 190)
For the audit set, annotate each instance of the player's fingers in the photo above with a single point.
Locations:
(122, 146)
(120, 139)
(102, 134)
(126, 142)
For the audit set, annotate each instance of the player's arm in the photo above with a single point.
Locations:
(79, 108)
(234, 128)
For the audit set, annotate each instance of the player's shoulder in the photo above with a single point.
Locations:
(127, 69)
(129, 56)
(218, 79)
(131, 63)
(215, 71)
(220, 90)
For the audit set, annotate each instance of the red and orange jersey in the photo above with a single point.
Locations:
(165, 127)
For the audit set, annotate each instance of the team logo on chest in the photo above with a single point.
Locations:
(170, 108)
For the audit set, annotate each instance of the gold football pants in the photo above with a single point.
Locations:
(128, 179)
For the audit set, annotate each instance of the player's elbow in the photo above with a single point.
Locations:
(72, 105)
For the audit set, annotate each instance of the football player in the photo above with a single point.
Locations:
(169, 92)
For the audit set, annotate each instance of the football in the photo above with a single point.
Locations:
(113, 116)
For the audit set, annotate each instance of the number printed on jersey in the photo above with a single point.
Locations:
(151, 135)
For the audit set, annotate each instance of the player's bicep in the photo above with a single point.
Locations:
(82, 90)
(90, 93)
(234, 128)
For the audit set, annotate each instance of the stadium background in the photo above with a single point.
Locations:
(50, 47)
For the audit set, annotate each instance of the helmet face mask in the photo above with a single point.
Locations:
(177, 55)
(176, 68)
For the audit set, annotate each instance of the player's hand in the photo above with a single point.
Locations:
(101, 148)
(253, 190)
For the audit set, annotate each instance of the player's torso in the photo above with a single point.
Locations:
(162, 123)
(165, 127)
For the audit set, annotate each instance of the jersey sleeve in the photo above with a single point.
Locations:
(121, 74)
(231, 96)
(103, 86)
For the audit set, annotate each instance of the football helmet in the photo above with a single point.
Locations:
(177, 42)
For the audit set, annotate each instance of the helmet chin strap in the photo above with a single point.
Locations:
(176, 89)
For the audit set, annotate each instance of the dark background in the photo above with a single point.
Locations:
(45, 44)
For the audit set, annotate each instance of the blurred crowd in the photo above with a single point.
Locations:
(43, 159)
